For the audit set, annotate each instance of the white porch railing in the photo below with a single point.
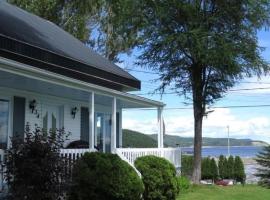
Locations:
(131, 154)
(74, 154)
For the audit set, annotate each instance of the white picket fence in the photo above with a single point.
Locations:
(131, 154)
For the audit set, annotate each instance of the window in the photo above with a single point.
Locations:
(4, 116)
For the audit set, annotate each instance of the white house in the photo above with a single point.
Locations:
(52, 80)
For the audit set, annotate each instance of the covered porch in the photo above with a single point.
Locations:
(90, 113)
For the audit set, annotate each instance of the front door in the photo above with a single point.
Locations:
(50, 118)
(103, 132)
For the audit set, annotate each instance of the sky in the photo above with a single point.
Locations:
(252, 123)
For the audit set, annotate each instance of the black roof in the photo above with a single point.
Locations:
(29, 39)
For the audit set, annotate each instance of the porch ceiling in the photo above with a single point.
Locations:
(15, 76)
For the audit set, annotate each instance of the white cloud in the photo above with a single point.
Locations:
(215, 125)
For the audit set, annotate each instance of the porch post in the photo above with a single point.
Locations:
(113, 136)
(160, 127)
(120, 129)
(92, 121)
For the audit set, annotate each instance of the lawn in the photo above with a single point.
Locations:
(248, 192)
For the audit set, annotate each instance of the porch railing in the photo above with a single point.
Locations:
(131, 154)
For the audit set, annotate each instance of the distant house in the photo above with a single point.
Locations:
(50, 79)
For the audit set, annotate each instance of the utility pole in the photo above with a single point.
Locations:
(228, 130)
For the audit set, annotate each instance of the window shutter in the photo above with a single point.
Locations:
(84, 124)
(19, 117)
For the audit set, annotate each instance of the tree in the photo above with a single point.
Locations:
(95, 22)
(222, 166)
(200, 49)
(263, 159)
(230, 167)
(239, 170)
(213, 169)
(206, 168)
(35, 169)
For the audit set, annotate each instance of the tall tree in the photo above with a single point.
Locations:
(263, 172)
(201, 48)
(98, 23)
(230, 167)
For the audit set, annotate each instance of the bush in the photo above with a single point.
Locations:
(209, 169)
(159, 178)
(183, 183)
(104, 176)
(186, 165)
(34, 166)
(263, 159)
(239, 170)
(206, 165)
(230, 167)
(213, 169)
(222, 165)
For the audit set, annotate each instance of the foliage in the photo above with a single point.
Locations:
(206, 172)
(186, 165)
(239, 170)
(213, 169)
(137, 140)
(183, 183)
(222, 166)
(199, 48)
(104, 176)
(263, 159)
(159, 178)
(34, 167)
(230, 168)
(95, 22)
(209, 169)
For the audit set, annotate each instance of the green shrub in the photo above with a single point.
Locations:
(183, 183)
(222, 164)
(213, 169)
(206, 165)
(239, 170)
(230, 167)
(104, 176)
(186, 165)
(159, 178)
(34, 166)
(263, 159)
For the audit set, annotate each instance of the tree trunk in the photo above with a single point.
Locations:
(196, 175)
(198, 112)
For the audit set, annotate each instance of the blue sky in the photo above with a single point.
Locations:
(251, 123)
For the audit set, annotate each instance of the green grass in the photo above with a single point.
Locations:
(247, 192)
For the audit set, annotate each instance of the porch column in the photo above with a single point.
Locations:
(160, 127)
(113, 136)
(92, 121)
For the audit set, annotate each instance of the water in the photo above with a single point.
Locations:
(244, 152)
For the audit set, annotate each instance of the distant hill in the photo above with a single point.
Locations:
(140, 140)
(137, 140)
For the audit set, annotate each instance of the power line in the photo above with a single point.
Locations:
(214, 107)
(231, 90)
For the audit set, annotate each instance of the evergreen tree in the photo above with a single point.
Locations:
(225, 169)
(230, 167)
(221, 163)
(213, 169)
(206, 168)
(263, 159)
(239, 170)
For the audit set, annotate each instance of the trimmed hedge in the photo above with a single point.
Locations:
(104, 176)
(159, 178)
